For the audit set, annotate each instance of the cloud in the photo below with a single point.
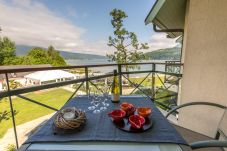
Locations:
(159, 41)
(31, 23)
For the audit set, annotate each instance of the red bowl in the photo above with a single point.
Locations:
(125, 106)
(128, 108)
(130, 111)
(136, 121)
(144, 111)
(117, 115)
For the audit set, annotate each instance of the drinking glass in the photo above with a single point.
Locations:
(96, 103)
(106, 90)
(105, 99)
(91, 99)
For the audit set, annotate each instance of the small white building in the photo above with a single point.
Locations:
(49, 76)
(1, 85)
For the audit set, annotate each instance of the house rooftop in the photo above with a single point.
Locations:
(19, 74)
(168, 14)
(23, 66)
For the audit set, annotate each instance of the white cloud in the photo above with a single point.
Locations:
(31, 23)
(159, 41)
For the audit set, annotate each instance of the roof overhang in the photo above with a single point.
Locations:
(168, 15)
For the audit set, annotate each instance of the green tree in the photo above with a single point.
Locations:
(14, 60)
(42, 56)
(125, 42)
(55, 56)
(38, 56)
(7, 49)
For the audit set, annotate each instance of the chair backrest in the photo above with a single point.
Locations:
(222, 128)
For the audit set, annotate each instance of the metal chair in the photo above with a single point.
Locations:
(202, 142)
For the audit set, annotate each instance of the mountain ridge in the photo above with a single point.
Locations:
(160, 54)
(164, 54)
(22, 50)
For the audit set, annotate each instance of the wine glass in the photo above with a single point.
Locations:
(91, 99)
(105, 99)
(96, 103)
(105, 96)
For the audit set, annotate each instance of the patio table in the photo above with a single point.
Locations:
(101, 134)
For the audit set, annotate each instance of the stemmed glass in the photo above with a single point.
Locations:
(99, 102)
(95, 102)
(105, 99)
(105, 96)
(91, 99)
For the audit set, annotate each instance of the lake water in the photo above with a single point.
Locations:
(111, 68)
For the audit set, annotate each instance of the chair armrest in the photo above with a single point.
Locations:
(208, 143)
(195, 103)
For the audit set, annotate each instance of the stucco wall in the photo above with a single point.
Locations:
(205, 64)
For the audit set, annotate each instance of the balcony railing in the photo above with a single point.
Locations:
(167, 77)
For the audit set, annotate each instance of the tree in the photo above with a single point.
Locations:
(41, 56)
(35, 56)
(56, 58)
(125, 42)
(7, 49)
(38, 56)
(18, 60)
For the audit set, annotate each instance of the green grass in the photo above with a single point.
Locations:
(28, 111)
(148, 81)
(159, 94)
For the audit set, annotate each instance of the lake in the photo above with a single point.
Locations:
(111, 68)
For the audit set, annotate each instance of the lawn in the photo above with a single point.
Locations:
(148, 81)
(28, 111)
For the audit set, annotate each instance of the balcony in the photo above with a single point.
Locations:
(155, 81)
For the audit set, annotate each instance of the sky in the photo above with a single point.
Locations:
(76, 25)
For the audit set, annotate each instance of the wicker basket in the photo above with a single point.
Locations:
(70, 124)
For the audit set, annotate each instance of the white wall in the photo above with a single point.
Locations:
(205, 64)
(1, 86)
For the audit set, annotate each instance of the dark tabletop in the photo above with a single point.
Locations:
(99, 127)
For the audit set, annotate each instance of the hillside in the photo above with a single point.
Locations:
(73, 55)
(22, 50)
(165, 54)
(161, 54)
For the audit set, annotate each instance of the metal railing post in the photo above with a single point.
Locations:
(12, 111)
(87, 83)
(165, 70)
(153, 81)
(120, 78)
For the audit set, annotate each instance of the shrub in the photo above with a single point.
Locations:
(11, 147)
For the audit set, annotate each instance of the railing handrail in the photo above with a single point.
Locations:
(29, 69)
(51, 85)
(84, 80)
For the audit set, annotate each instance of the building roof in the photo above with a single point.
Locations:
(168, 14)
(49, 75)
(23, 66)
(19, 74)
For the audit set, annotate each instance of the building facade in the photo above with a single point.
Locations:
(203, 28)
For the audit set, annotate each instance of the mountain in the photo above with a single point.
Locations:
(165, 54)
(161, 54)
(22, 50)
(73, 55)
